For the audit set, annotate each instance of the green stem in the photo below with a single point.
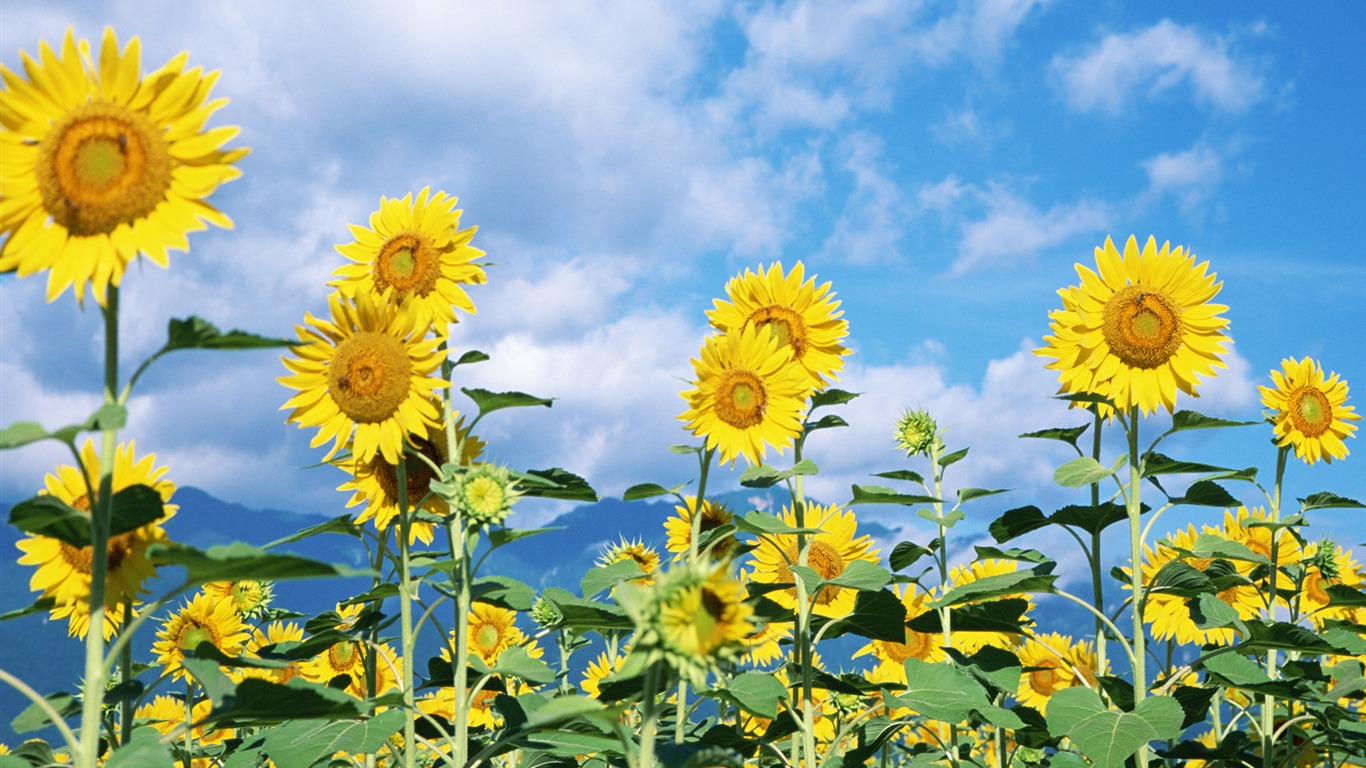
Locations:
(100, 514)
(804, 644)
(945, 613)
(1134, 509)
(704, 458)
(126, 674)
(405, 609)
(1097, 585)
(650, 717)
(460, 670)
(1269, 701)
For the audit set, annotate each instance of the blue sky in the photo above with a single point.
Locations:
(944, 165)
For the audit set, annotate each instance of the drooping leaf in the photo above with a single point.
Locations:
(825, 422)
(1016, 522)
(1326, 500)
(504, 592)
(488, 402)
(585, 614)
(644, 491)
(1206, 493)
(516, 662)
(905, 553)
(757, 693)
(472, 356)
(1266, 635)
(605, 577)
(33, 718)
(197, 333)
(555, 483)
(1194, 701)
(757, 522)
(968, 494)
(994, 667)
(1209, 545)
(1067, 435)
(1187, 420)
(1158, 464)
(1033, 556)
(38, 606)
(257, 701)
(862, 575)
(877, 494)
(902, 474)
(831, 397)
(240, 561)
(20, 433)
(501, 536)
(1108, 737)
(1091, 519)
(953, 458)
(877, 615)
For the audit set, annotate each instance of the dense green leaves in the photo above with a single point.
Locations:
(46, 515)
(1108, 737)
(238, 561)
(108, 416)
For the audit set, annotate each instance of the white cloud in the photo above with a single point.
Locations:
(1190, 177)
(869, 229)
(1014, 229)
(1154, 61)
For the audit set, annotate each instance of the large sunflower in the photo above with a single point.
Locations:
(99, 164)
(891, 656)
(1139, 329)
(347, 657)
(1047, 660)
(375, 483)
(414, 254)
(203, 618)
(970, 642)
(1168, 613)
(829, 553)
(63, 571)
(747, 394)
(371, 371)
(493, 630)
(803, 316)
(1310, 413)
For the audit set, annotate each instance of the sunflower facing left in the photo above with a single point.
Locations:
(99, 163)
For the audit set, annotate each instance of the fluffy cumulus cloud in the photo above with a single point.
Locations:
(1013, 229)
(1153, 61)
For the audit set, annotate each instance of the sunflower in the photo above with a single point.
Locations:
(63, 571)
(250, 598)
(1328, 564)
(747, 394)
(972, 642)
(375, 483)
(891, 656)
(916, 432)
(1310, 413)
(1047, 669)
(1138, 330)
(413, 254)
(371, 371)
(805, 318)
(272, 634)
(77, 616)
(347, 657)
(1241, 526)
(638, 552)
(829, 552)
(679, 529)
(598, 670)
(694, 617)
(493, 630)
(1168, 614)
(203, 618)
(99, 164)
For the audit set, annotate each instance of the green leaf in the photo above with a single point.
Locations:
(605, 577)
(1194, 701)
(968, 494)
(644, 491)
(197, 333)
(381, 592)
(948, 519)
(757, 522)
(1207, 611)
(257, 701)
(488, 402)
(239, 561)
(1015, 523)
(472, 356)
(757, 693)
(516, 662)
(1082, 471)
(143, 750)
(862, 575)
(500, 536)
(953, 458)
(46, 515)
(1158, 464)
(1000, 616)
(555, 483)
(877, 616)
(1000, 585)
(1091, 519)
(827, 421)
(304, 743)
(504, 592)
(764, 476)
(877, 494)
(1022, 555)
(134, 507)
(831, 397)
(1186, 420)
(1265, 635)
(943, 692)
(1339, 596)
(1206, 493)
(338, 524)
(905, 553)
(1067, 435)
(1326, 500)
(1108, 737)
(996, 668)
(1235, 669)
(32, 718)
(38, 606)
(20, 433)
(902, 474)
(1209, 545)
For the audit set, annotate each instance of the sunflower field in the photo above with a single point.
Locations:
(757, 638)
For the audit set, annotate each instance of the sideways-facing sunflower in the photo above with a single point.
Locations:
(1139, 329)
(371, 371)
(375, 483)
(203, 618)
(803, 317)
(63, 571)
(99, 164)
(1310, 413)
(748, 394)
(696, 618)
(679, 529)
(829, 553)
(634, 551)
(1168, 614)
(414, 254)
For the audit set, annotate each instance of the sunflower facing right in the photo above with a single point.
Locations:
(1139, 328)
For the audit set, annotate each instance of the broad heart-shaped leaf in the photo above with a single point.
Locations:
(994, 667)
(303, 743)
(1208, 545)
(1033, 556)
(1326, 500)
(755, 692)
(877, 616)
(905, 553)
(862, 575)
(1206, 493)
(555, 483)
(878, 494)
(1084, 471)
(197, 333)
(504, 592)
(33, 718)
(143, 750)
(1067, 435)
(107, 416)
(584, 614)
(134, 507)
(1265, 635)
(1108, 737)
(1014, 523)
(1095, 519)
(488, 402)
(1185, 420)
(831, 397)
(947, 693)
(256, 701)
(239, 561)
(1001, 616)
(516, 662)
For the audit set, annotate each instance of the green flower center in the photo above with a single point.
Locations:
(484, 495)
(102, 165)
(1310, 411)
(409, 263)
(785, 324)
(1142, 326)
(740, 399)
(368, 377)
(487, 638)
(195, 633)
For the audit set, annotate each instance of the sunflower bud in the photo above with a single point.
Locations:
(916, 432)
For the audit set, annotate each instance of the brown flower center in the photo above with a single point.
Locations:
(1142, 327)
(419, 474)
(1047, 679)
(822, 558)
(343, 656)
(785, 324)
(101, 165)
(1310, 411)
(740, 399)
(368, 378)
(409, 263)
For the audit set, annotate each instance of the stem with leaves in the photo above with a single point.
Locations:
(1134, 510)
(1269, 701)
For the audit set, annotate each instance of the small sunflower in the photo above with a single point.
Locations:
(1047, 669)
(1329, 564)
(972, 642)
(250, 598)
(414, 254)
(483, 494)
(829, 553)
(598, 670)
(803, 317)
(348, 658)
(636, 551)
(696, 619)
(370, 371)
(493, 630)
(679, 529)
(891, 657)
(1168, 614)
(63, 571)
(747, 394)
(203, 618)
(1140, 329)
(916, 432)
(99, 164)
(1310, 413)
(271, 634)
(375, 483)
